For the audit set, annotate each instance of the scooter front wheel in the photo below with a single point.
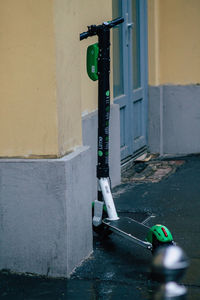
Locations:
(157, 244)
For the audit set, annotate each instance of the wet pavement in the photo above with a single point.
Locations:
(119, 269)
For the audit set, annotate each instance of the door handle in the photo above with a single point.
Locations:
(130, 25)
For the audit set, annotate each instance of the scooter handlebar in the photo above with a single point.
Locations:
(115, 22)
(84, 35)
(93, 29)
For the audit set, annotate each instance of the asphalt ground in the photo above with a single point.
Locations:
(119, 269)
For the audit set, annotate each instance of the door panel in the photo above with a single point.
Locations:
(139, 74)
(136, 67)
(118, 52)
(130, 73)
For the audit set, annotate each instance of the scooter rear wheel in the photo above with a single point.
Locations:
(157, 244)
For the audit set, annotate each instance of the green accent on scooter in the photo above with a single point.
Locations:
(100, 153)
(92, 61)
(161, 233)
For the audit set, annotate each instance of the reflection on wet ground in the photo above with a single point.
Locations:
(119, 269)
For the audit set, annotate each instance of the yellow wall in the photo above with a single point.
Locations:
(174, 41)
(40, 79)
(67, 30)
(28, 117)
(76, 93)
(44, 87)
(153, 42)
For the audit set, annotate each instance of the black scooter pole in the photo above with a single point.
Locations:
(103, 33)
(103, 102)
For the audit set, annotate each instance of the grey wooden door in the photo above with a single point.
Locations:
(130, 74)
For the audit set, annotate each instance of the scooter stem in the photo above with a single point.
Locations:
(107, 196)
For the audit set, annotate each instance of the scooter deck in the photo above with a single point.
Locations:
(130, 229)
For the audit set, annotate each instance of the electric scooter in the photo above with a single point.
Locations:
(98, 68)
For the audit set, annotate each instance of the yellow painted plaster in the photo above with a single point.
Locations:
(174, 41)
(153, 42)
(40, 81)
(68, 75)
(28, 116)
(179, 41)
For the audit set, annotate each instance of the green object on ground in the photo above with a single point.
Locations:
(161, 233)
